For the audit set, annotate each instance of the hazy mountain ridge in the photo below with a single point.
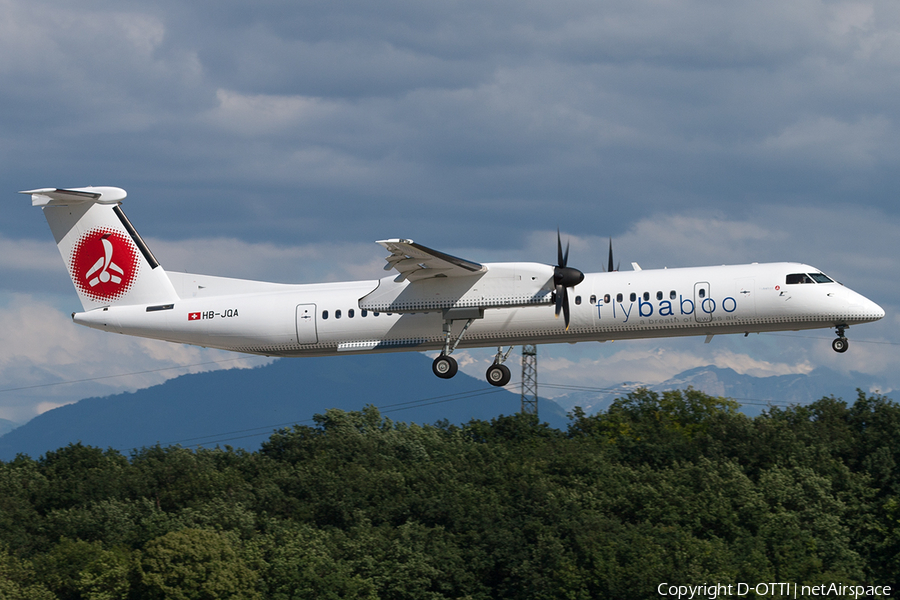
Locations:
(754, 393)
(6, 426)
(241, 407)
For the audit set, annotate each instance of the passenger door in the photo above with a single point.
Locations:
(306, 324)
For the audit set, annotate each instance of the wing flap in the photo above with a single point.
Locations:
(414, 262)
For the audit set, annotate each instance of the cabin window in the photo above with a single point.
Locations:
(659, 295)
(324, 314)
(702, 293)
(593, 299)
(363, 313)
(577, 299)
(375, 314)
(350, 313)
(798, 278)
(646, 296)
(633, 296)
(672, 294)
(337, 314)
(618, 297)
(606, 298)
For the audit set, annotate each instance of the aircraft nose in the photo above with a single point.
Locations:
(868, 310)
(876, 311)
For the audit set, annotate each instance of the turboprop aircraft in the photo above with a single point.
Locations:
(434, 301)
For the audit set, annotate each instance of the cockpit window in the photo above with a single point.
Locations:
(798, 278)
(808, 278)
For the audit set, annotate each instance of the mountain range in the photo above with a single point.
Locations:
(241, 407)
(754, 393)
(7, 425)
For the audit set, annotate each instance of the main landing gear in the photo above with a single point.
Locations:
(445, 366)
(498, 374)
(840, 344)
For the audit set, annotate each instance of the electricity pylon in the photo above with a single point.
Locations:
(529, 380)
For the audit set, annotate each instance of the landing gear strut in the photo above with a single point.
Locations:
(840, 344)
(445, 366)
(498, 374)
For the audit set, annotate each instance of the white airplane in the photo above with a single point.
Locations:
(434, 302)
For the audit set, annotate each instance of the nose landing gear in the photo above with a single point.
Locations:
(840, 344)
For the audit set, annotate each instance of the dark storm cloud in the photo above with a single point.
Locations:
(276, 120)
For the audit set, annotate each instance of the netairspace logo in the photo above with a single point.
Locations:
(772, 590)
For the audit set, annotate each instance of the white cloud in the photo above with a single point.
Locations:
(47, 361)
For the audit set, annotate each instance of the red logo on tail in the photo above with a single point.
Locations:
(103, 264)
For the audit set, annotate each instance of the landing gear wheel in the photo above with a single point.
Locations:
(840, 344)
(498, 375)
(445, 366)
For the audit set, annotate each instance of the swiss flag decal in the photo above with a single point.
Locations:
(193, 316)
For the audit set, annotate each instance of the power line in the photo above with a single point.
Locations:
(385, 409)
(410, 404)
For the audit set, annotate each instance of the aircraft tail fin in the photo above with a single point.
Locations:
(108, 261)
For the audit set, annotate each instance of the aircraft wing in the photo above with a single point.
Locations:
(414, 262)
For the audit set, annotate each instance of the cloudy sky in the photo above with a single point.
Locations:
(278, 140)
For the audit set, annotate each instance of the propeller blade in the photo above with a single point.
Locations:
(610, 269)
(566, 307)
(560, 295)
(561, 259)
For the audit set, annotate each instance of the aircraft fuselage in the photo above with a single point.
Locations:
(323, 319)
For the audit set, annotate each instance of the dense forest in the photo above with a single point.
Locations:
(677, 487)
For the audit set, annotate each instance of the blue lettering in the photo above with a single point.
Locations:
(704, 306)
(733, 304)
(641, 305)
(627, 312)
(665, 309)
(599, 312)
(686, 301)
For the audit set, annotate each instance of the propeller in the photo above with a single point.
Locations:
(564, 277)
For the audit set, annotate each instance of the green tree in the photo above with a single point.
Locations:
(75, 569)
(18, 580)
(196, 564)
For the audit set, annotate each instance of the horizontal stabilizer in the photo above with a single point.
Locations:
(65, 197)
